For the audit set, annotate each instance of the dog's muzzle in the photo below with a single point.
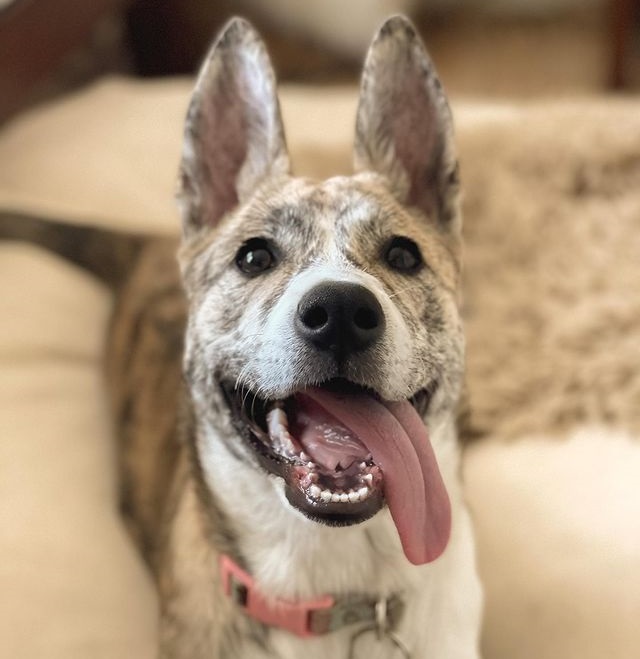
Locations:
(341, 449)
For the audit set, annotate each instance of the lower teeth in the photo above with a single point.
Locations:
(326, 496)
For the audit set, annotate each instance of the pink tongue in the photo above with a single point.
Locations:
(413, 487)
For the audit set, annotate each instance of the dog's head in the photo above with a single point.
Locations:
(323, 315)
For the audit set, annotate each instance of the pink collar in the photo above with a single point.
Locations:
(304, 618)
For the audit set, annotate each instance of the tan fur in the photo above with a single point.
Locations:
(143, 361)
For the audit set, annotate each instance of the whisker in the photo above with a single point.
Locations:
(406, 288)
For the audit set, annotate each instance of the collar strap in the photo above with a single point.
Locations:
(305, 618)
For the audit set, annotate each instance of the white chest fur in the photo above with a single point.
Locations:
(293, 557)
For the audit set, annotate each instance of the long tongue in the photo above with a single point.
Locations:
(399, 443)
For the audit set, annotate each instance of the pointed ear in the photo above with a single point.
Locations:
(233, 137)
(403, 128)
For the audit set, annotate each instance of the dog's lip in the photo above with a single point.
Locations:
(294, 469)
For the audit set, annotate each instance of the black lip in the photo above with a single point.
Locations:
(332, 514)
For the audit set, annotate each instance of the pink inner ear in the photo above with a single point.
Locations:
(222, 143)
(233, 133)
(417, 138)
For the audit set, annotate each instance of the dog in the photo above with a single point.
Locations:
(294, 480)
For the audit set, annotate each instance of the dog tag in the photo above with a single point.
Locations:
(396, 647)
(384, 634)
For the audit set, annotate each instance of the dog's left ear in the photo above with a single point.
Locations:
(233, 137)
(404, 128)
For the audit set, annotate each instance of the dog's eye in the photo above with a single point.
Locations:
(403, 254)
(255, 256)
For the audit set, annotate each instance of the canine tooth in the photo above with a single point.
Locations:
(277, 413)
(325, 496)
(354, 496)
(315, 492)
(276, 421)
(313, 477)
(363, 492)
(363, 465)
(311, 465)
(368, 478)
(344, 498)
(278, 427)
(335, 498)
(285, 441)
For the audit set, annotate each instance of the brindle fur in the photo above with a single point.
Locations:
(242, 188)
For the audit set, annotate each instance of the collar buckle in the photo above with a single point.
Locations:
(385, 613)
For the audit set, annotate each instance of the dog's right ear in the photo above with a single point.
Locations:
(233, 137)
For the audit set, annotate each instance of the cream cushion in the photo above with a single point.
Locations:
(557, 520)
(72, 585)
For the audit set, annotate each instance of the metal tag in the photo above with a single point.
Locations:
(383, 629)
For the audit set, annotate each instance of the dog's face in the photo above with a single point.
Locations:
(323, 315)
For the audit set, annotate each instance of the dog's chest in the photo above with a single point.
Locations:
(296, 558)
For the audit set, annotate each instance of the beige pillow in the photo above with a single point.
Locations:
(71, 584)
(558, 529)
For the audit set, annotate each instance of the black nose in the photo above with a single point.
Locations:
(340, 317)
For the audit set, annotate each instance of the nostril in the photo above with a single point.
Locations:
(315, 317)
(365, 318)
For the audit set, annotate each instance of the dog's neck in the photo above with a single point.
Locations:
(292, 557)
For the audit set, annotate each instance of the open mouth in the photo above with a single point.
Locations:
(343, 452)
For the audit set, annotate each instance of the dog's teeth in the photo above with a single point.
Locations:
(278, 426)
(304, 457)
(363, 465)
(277, 416)
(286, 443)
(325, 496)
(344, 497)
(363, 492)
(315, 492)
(335, 498)
(310, 465)
(277, 422)
(368, 478)
(354, 496)
(313, 477)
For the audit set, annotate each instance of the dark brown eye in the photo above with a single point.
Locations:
(403, 255)
(256, 256)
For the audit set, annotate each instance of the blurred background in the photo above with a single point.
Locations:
(483, 48)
